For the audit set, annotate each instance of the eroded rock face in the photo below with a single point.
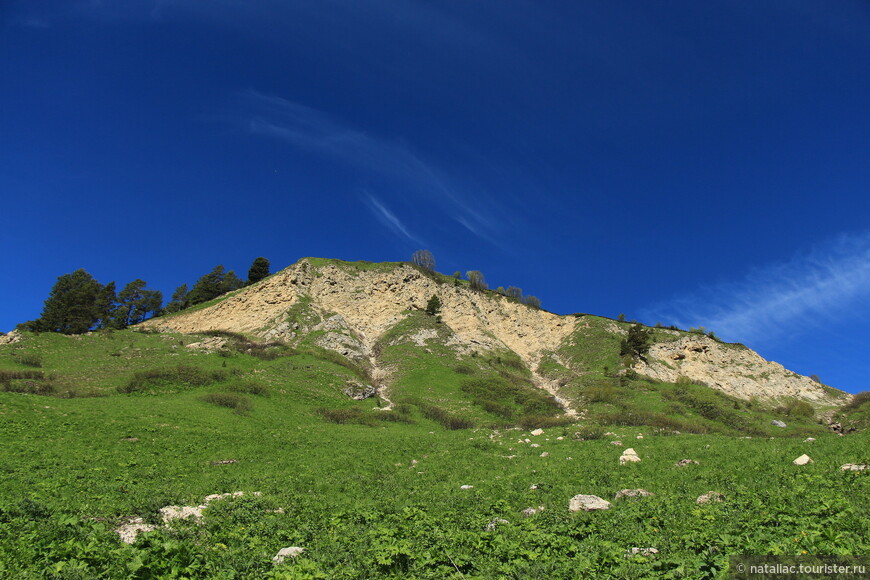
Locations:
(10, 338)
(733, 369)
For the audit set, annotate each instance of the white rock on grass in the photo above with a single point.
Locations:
(587, 503)
(802, 460)
(545, 454)
(633, 493)
(711, 497)
(530, 511)
(685, 462)
(493, 524)
(641, 552)
(778, 423)
(629, 456)
(534, 445)
(284, 553)
(853, 467)
(537, 432)
(181, 512)
(133, 528)
(809, 440)
(466, 487)
(617, 443)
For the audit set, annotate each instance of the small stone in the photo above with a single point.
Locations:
(537, 432)
(778, 423)
(560, 438)
(495, 523)
(809, 440)
(545, 454)
(466, 487)
(641, 552)
(533, 486)
(802, 460)
(534, 445)
(283, 553)
(685, 462)
(640, 436)
(711, 497)
(225, 462)
(853, 467)
(530, 511)
(617, 443)
(527, 440)
(633, 493)
(587, 503)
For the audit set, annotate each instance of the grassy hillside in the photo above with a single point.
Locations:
(130, 422)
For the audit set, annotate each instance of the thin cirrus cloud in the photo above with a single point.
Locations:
(389, 219)
(311, 130)
(829, 283)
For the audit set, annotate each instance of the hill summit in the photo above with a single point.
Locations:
(375, 316)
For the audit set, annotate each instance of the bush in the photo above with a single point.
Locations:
(442, 416)
(796, 408)
(237, 403)
(601, 393)
(180, 376)
(248, 387)
(29, 359)
(857, 401)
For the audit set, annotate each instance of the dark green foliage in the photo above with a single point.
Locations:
(213, 284)
(476, 280)
(424, 259)
(180, 376)
(29, 359)
(356, 416)
(457, 275)
(238, 403)
(509, 399)
(440, 415)
(248, 387)
(464, 369)
(857, 401)
(259, 269)
(796, 408)
(135, 303)
(76, 304)
(816, 379)
(179, 300)
(30, 382)
(636, 344)
(621, 317)
(433, 306)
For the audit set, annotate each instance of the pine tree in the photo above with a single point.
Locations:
(433, 307)
(75, 305)
(258, 270)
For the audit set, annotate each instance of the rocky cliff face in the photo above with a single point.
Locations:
(351, 306)
(733, 369)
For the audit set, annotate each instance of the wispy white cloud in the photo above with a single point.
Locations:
(823, 285)
(389, 219)
(312, 130)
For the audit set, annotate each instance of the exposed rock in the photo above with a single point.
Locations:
(809, 440)
(853, 467)
(466, 487)
(538, 432)
(176, 512)
(530, 511)
(128, 531)
(284, 553)
(534, 445)
(11, 338)
(778, 423)
(802, 460)
(210, 344)
(730, 368)
(588, 503)
(545, 454)
(617, 443)
(225, 462)
(641, 552)
(640, 437)
(633, 493)
(493, 524)
(685, 462)
(629, 456)
(711, 497)
(360, 392)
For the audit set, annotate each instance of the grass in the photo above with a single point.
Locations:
(377, 494)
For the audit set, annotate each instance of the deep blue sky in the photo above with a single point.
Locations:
(698, 163)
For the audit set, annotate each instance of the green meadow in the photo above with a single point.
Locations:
(102, 428)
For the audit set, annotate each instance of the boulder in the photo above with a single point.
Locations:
(629, 456)
(538, 432)
(778, 423)
(587, 503)
(360, 392)
(802, 460)
(284, 553)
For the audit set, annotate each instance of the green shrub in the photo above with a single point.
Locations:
(464, 370)
(180, 376)
(795, 407)
(30, 359)
(857, 401)
(442, 416)
(601, 393)
(238, 403)
(248, 387)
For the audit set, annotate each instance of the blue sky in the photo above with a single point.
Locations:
(694, 163)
